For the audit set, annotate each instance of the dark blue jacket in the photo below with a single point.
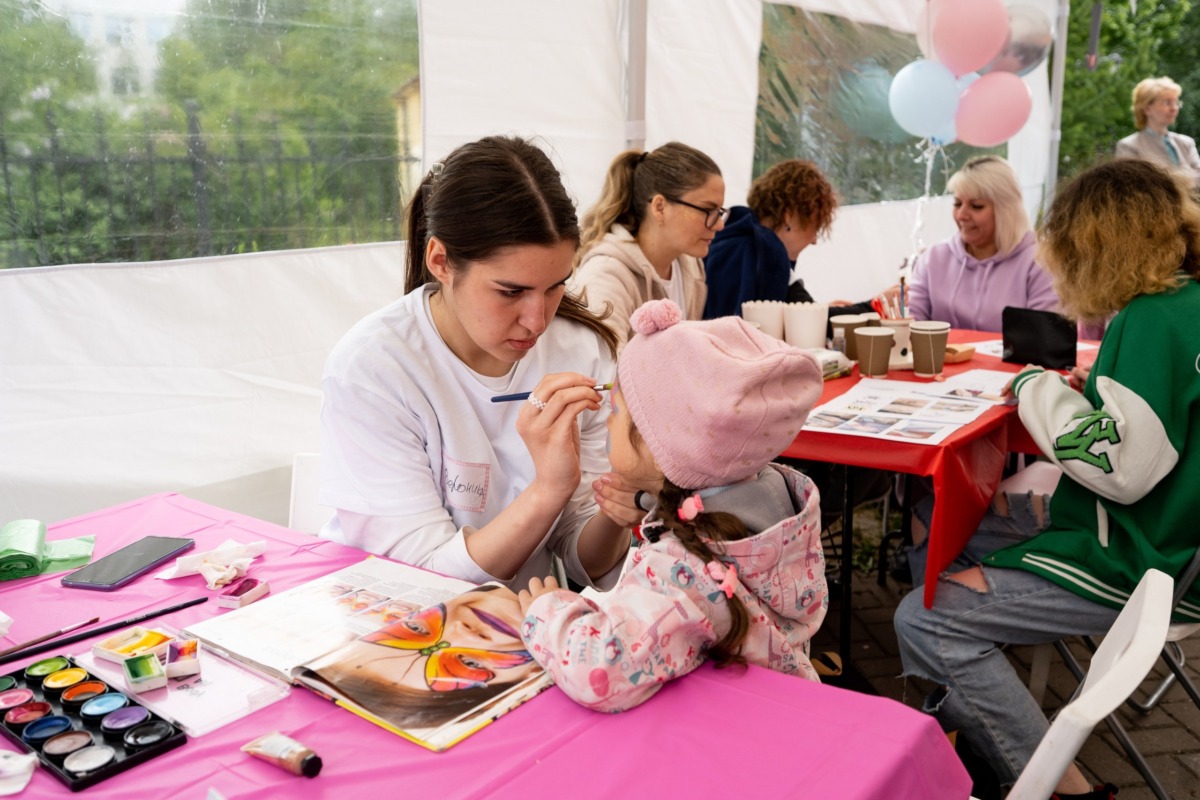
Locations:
(746, 261)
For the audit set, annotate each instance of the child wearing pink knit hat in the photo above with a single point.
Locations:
(730, 565)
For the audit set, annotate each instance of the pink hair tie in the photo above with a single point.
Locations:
(726, 573)
(690, 507)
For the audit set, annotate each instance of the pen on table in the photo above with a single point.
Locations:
(54, 634)
(112, 626)
(506, 398)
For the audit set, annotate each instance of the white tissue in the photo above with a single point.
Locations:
(220, 566)
(5, 623)
(15, 771)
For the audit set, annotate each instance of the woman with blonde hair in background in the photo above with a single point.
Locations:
(645, 238)
(1155, 106)
(968, 279)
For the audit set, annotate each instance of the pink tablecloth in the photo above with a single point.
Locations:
(716, 733)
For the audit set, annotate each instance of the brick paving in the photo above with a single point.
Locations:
(1169, 737)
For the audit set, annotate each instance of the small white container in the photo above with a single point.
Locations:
(243, 593)
(183, 658)
(144, 673)
(133, 642)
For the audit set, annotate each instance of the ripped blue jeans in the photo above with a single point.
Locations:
(956, 643)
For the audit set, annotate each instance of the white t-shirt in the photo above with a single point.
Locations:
(673, 287)
(413, 450)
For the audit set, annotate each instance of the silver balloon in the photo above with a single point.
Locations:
(1030, 37)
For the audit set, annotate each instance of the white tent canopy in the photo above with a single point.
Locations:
(202, 376)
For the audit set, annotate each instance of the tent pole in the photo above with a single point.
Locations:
(1056, 98)
(635, 76)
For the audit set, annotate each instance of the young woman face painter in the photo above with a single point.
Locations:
(417, 460)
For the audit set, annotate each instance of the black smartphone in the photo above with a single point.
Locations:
(119, 568)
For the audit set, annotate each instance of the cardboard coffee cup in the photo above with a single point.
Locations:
(928, 343)
(874, 350)
(843, 326)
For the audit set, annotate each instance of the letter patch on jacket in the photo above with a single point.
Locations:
(1081, 444)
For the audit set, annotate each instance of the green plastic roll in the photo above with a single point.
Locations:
(24, 551)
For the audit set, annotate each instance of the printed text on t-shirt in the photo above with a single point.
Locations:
(466, 484)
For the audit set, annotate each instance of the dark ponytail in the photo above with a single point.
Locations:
(488, 195)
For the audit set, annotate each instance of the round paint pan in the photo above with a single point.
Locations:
(57, 682)
(89, 759)
(38, 670)
(14, 697)
(148, 734)
(121, 720)
(74, 697)
(39, 730)
(101, 706)
(57, 748)
(7, 682)
(17, 718)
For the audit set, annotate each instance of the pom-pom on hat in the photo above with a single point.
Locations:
(715, 401)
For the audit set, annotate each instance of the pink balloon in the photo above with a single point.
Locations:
(992, 109)
(969, 33)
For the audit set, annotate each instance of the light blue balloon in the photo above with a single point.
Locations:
(924, 98)
(948, 135)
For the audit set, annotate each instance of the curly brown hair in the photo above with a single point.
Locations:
(793, 186)
(1118, 230)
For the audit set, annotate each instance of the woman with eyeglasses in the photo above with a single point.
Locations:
(645, 238)
(1155, 106)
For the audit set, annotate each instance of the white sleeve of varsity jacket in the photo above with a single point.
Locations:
(1119, 451)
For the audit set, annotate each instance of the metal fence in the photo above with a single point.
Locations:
(163, 195)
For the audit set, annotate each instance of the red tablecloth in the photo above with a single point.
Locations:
(965, 469)
(753, 733)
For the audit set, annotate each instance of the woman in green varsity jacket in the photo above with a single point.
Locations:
(1122, 237)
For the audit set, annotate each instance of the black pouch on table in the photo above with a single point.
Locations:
(1038, 337)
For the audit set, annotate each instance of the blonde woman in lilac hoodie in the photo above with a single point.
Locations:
(969, 279)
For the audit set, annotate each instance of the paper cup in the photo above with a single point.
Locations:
(767, 313)
(843, 327)
(804, 324)
(928, 342)
(873, 319)
(874, 350)
(901, 357)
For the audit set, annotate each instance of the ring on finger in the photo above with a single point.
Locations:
(538, 404)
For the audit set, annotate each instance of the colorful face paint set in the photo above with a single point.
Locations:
(81, 728)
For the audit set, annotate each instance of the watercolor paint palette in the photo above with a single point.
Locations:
(82, 728)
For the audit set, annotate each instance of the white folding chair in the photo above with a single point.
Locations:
(1120, 663)
(305, 514)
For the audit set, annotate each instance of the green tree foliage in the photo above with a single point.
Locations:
(1178, 61)
(1153, 40)
(39, 58)
(271, 125)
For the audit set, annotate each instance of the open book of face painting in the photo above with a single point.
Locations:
(430, 658)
